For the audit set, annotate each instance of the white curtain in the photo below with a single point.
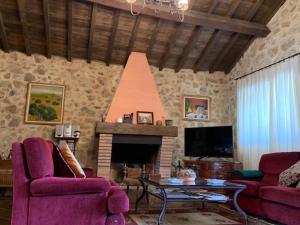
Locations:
(268, 112)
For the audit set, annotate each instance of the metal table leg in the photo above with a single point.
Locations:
(164, 208)
(142, 196)
(236, 205)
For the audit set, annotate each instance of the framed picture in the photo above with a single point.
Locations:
(196, 108)
(45, 104)
(144, 117)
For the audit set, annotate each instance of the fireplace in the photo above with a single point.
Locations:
(135, 144)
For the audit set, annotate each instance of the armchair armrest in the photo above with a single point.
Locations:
(247, 174)
(50, 186)
(117, 200)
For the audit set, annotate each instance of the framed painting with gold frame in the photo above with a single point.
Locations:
(45, 103)
(196, 108)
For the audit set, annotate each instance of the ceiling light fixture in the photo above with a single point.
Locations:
(177, 7)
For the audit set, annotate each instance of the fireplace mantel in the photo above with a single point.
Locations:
(133, 129)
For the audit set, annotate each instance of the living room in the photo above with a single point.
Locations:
(86, 85)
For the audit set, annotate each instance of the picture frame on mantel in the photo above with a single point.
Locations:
(45, 103)
(196, 108)
(144, 117)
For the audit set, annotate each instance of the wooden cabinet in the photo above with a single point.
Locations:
(212, 169)
(5, 173)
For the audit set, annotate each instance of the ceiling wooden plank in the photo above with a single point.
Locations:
(70, 29)
(91, 33)
(194, 18)
(133, 37)
(197, 30)
(235, 37)
(3, 35)
(22, 14)
(112, 37)
(241, 53)
(47, 28)
(153, 37)
(171, 43)
(215, 36)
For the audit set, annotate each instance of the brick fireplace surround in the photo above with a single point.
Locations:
(105, 132)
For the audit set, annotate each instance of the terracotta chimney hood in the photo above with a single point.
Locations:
(137, 91)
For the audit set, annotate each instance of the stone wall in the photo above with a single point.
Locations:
(89, 91)
(282, 42)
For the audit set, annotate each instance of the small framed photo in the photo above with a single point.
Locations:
(144, 117)
(45, 104)
(196, 108)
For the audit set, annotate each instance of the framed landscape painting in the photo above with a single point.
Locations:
(45, 104)
(196, 108)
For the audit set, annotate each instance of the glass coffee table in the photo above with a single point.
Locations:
(169, 192)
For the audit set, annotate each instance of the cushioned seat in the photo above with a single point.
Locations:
(284, 195)
(68, 186)
(252, 187)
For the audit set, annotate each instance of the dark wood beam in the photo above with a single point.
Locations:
(197, 30)
(91, 34)
(153, 37)
(47, 29)
(112, 37)
(133, 37)
(235, 37)
(70, 29)
(194, 18)
(171, 43)
(3, 35)
(22, 14)
(215, 36)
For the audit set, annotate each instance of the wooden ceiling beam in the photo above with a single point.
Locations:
(3, 35)
(171, 43)
(215, 36)
(70, 29)
(235, 37)
(91, 33)
(112, 37)
(22, 15)
(153, 38)
(194, 18)
(197, 30)
(133, 37)
(47, 27)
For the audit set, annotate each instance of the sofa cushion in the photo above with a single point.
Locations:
(290, 176)
(61, 167)
(284, 195)
(39, 157)
(50, 186)
(72, 161)
(252, 187)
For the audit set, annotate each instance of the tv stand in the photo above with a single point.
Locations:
(219, 169)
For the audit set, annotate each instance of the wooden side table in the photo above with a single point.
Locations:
(5, 173)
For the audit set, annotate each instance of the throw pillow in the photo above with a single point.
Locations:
(72, 161)
(290, 176)
(61, 167)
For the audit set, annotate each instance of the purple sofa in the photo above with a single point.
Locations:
(41, 198)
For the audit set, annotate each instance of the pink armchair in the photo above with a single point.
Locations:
(40, 198)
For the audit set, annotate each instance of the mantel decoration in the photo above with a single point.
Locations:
(196, 108)
(144, 117)
(177, 7)
(45, 104)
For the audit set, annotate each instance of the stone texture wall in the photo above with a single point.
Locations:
(89, 91)
(282, 42)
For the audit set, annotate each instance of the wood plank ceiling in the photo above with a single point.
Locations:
(213, 36)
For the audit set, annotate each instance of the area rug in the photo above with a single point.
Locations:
(203, 218)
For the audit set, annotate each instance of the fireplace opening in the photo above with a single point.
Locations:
(134, 149)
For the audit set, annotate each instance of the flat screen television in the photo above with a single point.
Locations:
(209, 142)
